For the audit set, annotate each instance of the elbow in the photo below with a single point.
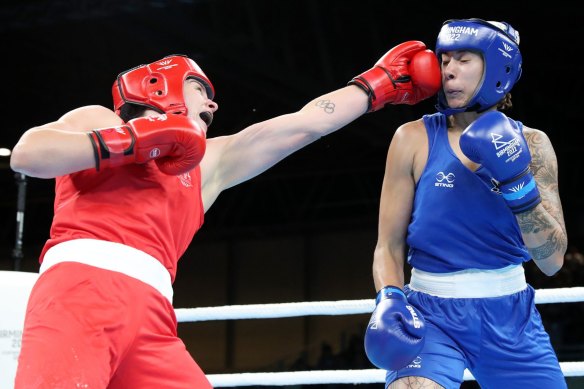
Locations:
(24, 161)
(549, 257)
(551, 265)
(557, 265)
(18, 160)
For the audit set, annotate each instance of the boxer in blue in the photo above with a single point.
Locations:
(468, 196)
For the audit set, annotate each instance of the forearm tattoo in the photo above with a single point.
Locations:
(545, 219)
(327, 105)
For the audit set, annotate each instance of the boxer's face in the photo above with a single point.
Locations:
(199, 106)
(462, 72)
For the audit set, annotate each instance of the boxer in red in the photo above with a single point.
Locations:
(132, 187)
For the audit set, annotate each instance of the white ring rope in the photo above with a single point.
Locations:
(342, 307)
(365, 376)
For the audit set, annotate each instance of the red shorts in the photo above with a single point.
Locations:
(87, 327)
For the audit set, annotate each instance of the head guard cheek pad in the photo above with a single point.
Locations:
(159, 85)
(498, 43)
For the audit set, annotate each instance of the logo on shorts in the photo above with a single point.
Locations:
(416, 363)
(444, 180)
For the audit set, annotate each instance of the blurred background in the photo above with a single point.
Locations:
(304, 230)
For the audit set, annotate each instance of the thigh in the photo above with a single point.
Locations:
(516, 350)
(64, 342)
(164, 364)
(414, 383)
(441, 359)
(158, 358)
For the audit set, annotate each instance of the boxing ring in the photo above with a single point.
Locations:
(15, 287)
(342, 307)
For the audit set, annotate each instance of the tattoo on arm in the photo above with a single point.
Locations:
(544, 166)
(534, 222)
(327, 105)
(545, 219)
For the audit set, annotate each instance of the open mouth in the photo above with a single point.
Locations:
(207, 117)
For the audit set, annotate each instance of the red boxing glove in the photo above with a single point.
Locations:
(406, 74)
(176, 142)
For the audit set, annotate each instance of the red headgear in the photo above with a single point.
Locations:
(159, 85)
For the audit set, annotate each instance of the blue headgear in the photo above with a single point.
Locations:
(498, 43)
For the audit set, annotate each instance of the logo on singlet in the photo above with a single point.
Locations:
(444, 180)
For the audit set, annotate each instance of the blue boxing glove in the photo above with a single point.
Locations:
(396, 330)
(497, 143)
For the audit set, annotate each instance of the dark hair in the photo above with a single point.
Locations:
(505, 103)
(131, 111)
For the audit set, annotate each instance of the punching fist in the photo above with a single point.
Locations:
(497, 143)
(396, 330)
(406, 74)
(176, 142)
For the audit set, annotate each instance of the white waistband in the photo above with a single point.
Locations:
(112, 256)
(472, 283)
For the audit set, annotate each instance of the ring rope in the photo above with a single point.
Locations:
(341, 307)
(365, 376)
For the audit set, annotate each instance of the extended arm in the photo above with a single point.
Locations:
(233, 159)
(406, 74)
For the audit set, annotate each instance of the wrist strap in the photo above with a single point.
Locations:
(388, 291)
(520, 192)
(112, 146)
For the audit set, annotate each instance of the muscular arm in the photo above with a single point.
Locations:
(405, 159)
(233, 159)
(543, 228)
(61, 147)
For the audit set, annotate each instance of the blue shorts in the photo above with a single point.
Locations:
(500, 340)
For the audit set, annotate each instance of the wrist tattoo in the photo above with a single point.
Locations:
(544, 251)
